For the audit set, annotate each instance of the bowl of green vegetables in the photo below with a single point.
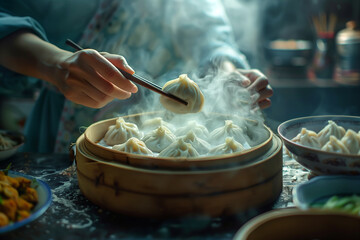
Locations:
(335, 192)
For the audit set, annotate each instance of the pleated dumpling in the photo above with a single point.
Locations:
(335, 145)
(230, 129)
(199, 130)
(154, 123)
(133, 145)
(352, 141)
(121, 132)
(331, 129)
(179, 148)
(158, 139)
(186, 89)
(201, 146)
(230, 146)
(256, 132)
(308, 138)
(302, 132)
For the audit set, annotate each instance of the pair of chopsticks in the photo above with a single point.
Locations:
(325, 25)
(137, 79)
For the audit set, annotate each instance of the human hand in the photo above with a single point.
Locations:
(92, 79)
(255, 81)
(259, 86)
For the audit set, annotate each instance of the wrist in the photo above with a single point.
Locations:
(50, 65)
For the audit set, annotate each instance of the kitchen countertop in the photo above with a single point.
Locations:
(72, 216)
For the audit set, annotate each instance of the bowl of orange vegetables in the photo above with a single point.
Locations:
(22, 199)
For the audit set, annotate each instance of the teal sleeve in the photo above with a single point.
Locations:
(10, 82)
(42, 125)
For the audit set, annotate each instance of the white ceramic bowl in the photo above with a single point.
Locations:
(15, 136)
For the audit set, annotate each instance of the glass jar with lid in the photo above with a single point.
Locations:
(348, 55)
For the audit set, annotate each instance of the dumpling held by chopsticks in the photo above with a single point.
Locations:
(186, 89)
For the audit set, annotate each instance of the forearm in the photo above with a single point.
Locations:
(24, 52)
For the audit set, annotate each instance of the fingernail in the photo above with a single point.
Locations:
(130, 70)
(134, 89)
(245, 82)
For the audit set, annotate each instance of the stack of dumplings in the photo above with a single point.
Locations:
(332, 138)
(154, 138)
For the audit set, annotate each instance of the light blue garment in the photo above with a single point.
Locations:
(160, 39)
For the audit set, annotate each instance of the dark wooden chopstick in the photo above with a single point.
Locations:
(137, 79)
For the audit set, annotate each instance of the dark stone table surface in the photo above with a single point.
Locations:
(72, 216)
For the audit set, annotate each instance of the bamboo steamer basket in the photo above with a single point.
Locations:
(137, 190)
(95, 132)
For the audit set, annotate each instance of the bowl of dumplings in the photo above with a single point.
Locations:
(326, 145)
(161, 165)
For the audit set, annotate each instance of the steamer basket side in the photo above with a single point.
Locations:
(159, 181)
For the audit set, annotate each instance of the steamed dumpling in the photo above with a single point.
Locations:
(230, 129)
(308, 138)
(335, 145)
(154, 123)
(158, 139)
(230, 146)
(121, 132)
(179, 148)
(186, 89)
(352, 141)
(133, 145)
(331, 129)
(201, 146)
(198, 129)
(310, 133)
(255, 132)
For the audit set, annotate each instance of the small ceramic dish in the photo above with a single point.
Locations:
(44, 201)
(15, 136)
(318, 161)
(296, 224)
(321, 188)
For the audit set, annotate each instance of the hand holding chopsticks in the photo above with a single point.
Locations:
(137, 79)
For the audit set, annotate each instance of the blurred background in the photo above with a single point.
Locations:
(309, 49)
